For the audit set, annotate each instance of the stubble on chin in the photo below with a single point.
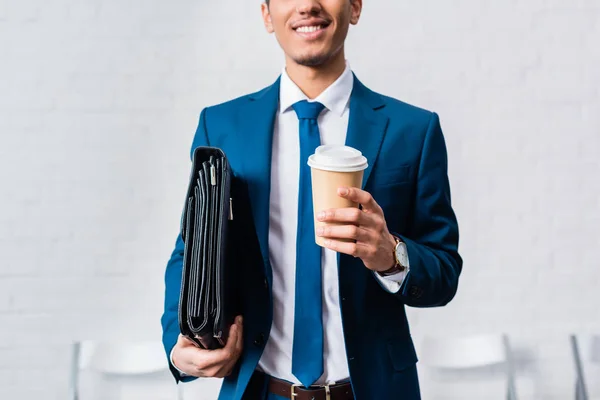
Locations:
(312, 61)
(316, 60)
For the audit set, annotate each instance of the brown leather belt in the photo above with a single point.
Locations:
(339, 391)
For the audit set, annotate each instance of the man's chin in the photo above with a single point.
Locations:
(314, 60)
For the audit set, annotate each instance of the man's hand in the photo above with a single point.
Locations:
(371, 240)
(219, 363)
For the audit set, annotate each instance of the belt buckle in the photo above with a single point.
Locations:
(294, 394)
(327, 390)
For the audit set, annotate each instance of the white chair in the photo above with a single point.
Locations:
(471, 352)
(595, 349)
(132, 359)
(582, 390)
(594, 385)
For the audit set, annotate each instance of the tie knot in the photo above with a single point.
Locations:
(308, 110)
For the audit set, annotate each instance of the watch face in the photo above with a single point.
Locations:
(401, 254)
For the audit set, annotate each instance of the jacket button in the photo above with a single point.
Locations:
(260, 340)
(415, 291)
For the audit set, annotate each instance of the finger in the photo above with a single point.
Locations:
(225, 371)
(184, 354)
(177, 351)
(240, 340)
(351, 232)
(213, 372)
(234, 341)
(228, 367)
(234, 337)
(349, 215)
(189, 360)
(235, 334)
(352, 249)
(361, 197)
(206, 359)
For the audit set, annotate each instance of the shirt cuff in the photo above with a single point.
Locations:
(174, 366)
(391, 283)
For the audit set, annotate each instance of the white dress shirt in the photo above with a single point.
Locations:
(276, 359)
(285, 169)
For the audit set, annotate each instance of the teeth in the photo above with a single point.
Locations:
(309, 29)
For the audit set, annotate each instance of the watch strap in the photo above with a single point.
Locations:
(397, 267)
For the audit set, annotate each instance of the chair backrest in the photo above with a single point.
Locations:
(463, 352)
(474, 351)
(123, 358)
(117, 358)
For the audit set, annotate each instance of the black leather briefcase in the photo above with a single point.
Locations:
(206, 303)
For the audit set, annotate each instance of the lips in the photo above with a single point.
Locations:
(310, 25)
(311, 29)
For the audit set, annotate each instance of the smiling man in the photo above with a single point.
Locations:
(344, 334)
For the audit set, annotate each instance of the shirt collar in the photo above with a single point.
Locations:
(334, 98)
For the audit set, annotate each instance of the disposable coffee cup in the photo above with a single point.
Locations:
(333, 167)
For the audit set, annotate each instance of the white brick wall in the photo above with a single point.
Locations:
(99, 101)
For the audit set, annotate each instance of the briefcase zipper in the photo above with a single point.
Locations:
(230, 209)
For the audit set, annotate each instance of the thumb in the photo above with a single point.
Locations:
(235, 334)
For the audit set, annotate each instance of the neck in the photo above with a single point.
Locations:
(314, 80)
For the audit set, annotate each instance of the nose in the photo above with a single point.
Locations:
(308, 7)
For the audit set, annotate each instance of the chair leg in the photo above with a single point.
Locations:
(580, 392)
(179, 391)
(511, 392)
(510, 370)
(580, 389)
(74, 373)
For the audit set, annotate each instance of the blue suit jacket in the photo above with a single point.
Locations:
(407, 176)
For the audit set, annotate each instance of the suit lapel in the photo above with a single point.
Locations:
(257, 123)
(366, 126)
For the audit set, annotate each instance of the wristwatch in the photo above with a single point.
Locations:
(401, 257)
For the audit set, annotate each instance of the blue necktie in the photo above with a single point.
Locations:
(307, 352)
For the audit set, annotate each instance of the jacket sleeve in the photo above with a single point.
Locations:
(169, 319)
(432, 236)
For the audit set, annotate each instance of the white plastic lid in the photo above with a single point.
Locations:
(337, 159)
